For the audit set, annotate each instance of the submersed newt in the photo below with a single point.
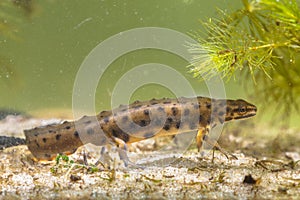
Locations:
(136, 122)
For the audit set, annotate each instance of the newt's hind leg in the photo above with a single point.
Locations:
(202, 135)
(122, 150)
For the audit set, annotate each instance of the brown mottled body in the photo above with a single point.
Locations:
(137, 121)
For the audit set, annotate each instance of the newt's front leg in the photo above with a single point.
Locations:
(202, 135)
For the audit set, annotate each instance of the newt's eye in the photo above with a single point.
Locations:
(242, 110)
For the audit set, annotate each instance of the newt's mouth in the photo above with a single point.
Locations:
(245, 116)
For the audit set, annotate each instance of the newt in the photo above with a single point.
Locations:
(138, 121)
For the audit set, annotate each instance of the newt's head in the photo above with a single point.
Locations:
(239, 109)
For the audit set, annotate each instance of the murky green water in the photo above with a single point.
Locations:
(52, 44)
(44, 59)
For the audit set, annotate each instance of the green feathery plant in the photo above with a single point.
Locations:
(262, 40)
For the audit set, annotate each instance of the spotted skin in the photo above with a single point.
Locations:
(136, 122)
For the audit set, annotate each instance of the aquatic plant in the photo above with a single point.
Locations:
(260, 41)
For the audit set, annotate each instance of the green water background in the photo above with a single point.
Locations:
(52, 45)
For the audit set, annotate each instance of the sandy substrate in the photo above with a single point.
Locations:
(162, 173)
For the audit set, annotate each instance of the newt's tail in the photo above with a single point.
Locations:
(6, 142)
